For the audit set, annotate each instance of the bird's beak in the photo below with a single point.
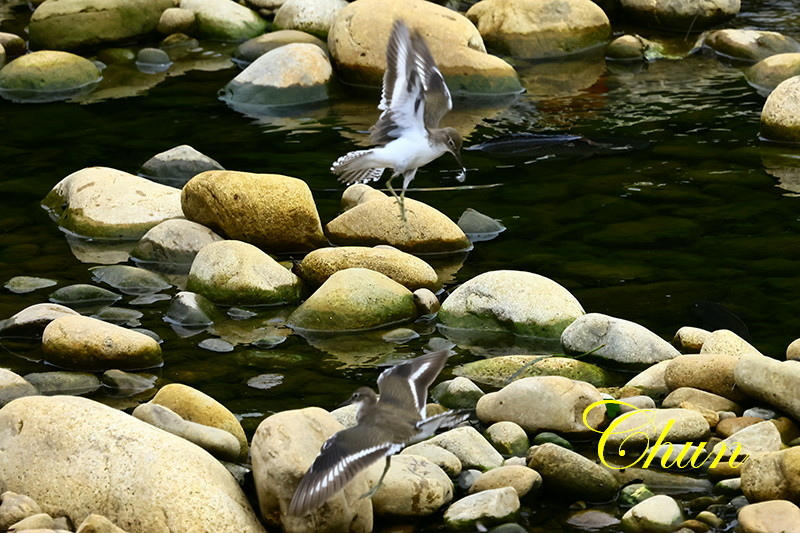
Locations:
(346, 402)
(463, 174)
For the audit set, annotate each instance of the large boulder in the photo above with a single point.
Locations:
(47, 75)
(106, 203)
(274, 212)
(514, 301)
(72, 24)
(76, 457)
(358, 38)
(540, 28)
(354, 299)
(225, 20)
(780, 117)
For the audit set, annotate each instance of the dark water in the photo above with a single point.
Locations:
(693, 216)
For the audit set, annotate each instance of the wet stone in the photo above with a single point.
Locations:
(70, 383)
(82, 297)
(508, 438)
(31, 321)
(178, 165)
(192, 310)
(119, 316)
(265, 381)
(479, 227)
(25, 284)
(215, 345)
(129, 279)
(152, 60)
(127, 383)
(13, 386)
(457, 393)
(47, 76)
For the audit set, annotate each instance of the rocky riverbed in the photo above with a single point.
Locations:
(611, 424)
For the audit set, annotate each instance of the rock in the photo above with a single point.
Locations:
(16, 507)
(26, 284)
(406, 269)
(479, 227)
(521, 478)
(771, 71)
(641, 429)
(354, 299)
(196, 406)
(172, 245)
(31, 321)
(178, 165)
(426, 302)
(127, 384)
(536, 29)
(772, 476)
(758, 438)
(678, 15)
(633, 403)
(592, 520)
(661, 513)
(769, 380)
(561, 404)
(615, 340)
(457, 393)
(486, 508)
(359, 193)
(36, 522)
(95, 523)
(313, 16)
(708, 372)
(777, 516)
(293, 74)
(129, 280)
(632, 48)
(85, 343)
(750, 45)
(283, 448)
(510, 300)
(779, 115)
(413, 486)
(446, 460)
(709, 400)
(359, 35)
(217, 442)
(105, 203)
(508, 438)
(13, 44)
(689, 339)
(76, 454)
(88, 298)
(47, 76)
(238, 273)
(177, 20)
(193, 311)
(470, 447)
(256, 47)
(13, 386)
(652, 380)
(369, 223)
(727, 342)
(73, 24)
(729, 426)
(571, 474)
(498, 371)
(274, 212)
(224, 20)
(70, 383)
(151, 60)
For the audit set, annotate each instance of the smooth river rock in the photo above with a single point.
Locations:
(223, 20)
(106, 203)
(776, 516)
(641, 428)
(80, 342)
(772, 476)
(313, 16)
(521, 478)
(413, 486)
(772, 71)
(177, 165)
(13, 386)
(470, 447)
(750, 45)
(771, 381)
(498, 371)
(680, 15)
(708, 372)
(659, 514)
(569, 473)
(486, 508)
(759, 438)
(276, 213)
(726, 342)
(31, 321)
(779, 117)
(256, 47)
(172, 245)
(46, 76)
(76, 456)
(519, 302)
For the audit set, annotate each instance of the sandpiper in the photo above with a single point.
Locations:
(384, 426)
(413, 101)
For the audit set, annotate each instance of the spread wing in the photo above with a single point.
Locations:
(340, 459)
(414, 95)
(407, 384)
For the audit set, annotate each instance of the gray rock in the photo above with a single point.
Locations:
(446, 460)
(84, 297)
(771, 71)
(70, 383)
(172, 245)
(769, 517)
(293, 74)
(254, 48)
(769, 380)
(413, 486)
(508, 300)
(217, 442)
(354, 299)
(127, 384)
(107, 203)
(659, 513)
(312, 16)
(486, 508)
(681, 15)
(705, 399)
(479, 227)
(592, 520)
(561, 403)
(16, 507)
(284, 447)
(152, 60)
(177, 165)
(470, 447)
(130, 280)
(26, 284)
(521, 478)
(457, 393)
(72, 438)
(750, 45)
(192, 310)
(426, 302)
(31, 321)
(85, 343)
(177, 20)
(761, 412)
(238, 273)
(570, 473)
(616, 340)
(779, 112)
(222, 20)
(758, 438)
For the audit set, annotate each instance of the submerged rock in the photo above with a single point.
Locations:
(47, 76)
(779, 115)
(223, 20)
(274, 212)
(312, 16)
(750, 45)
(535, 29)
(177, 165)
(70, 383)
(106, 203)
(508, 300)
(238, 273)
(354, 299)
(130, 280)
(25, 284)
(192, 310)
(84, 297)
(76, 454)
(358, 38)
(479, 227)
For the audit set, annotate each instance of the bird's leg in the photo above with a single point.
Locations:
(398, 199)
(377, 485)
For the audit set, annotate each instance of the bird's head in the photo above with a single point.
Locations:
(452, 141)
(362, 397)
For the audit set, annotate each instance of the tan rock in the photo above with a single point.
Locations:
(312, 16)
(776, 516)
(727, 343)
(729, 426)
(705, 399)
(772, 476)
(770, 380)
(567, 472)
(444, 459)
(15, 507)
(708, 372)
(780, 116)
(771, 71)
(413, 486)
(793, 350)
(521, 478)
(642, 428)
(495, 506)
(689, 339)
(95, 523)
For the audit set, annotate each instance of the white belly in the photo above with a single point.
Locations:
(406, 153)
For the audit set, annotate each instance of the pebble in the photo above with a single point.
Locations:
(508, 438)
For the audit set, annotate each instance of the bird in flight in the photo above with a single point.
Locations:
(384, 426)
(413, 101)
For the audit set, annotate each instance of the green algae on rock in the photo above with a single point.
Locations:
(47, 76)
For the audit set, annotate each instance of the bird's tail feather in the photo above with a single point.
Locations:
(446, 420)
(350, 168)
